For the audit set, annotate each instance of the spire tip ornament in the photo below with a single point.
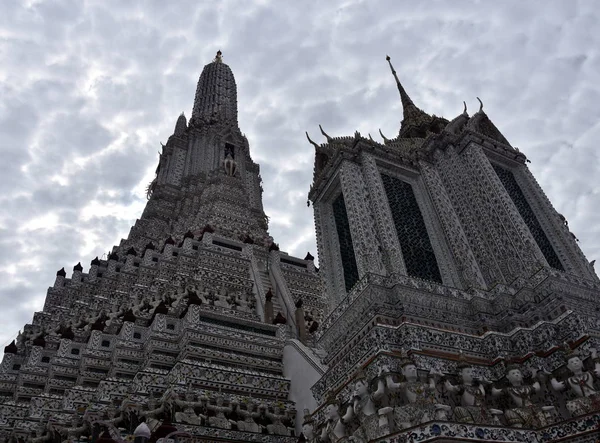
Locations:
(385, 139)
(311, 141)
(406, 100)
(325, 134)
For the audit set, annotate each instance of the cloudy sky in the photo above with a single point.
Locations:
(89, 89)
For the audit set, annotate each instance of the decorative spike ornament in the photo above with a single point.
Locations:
(329, 139)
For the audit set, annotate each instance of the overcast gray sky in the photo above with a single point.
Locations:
(88, 89)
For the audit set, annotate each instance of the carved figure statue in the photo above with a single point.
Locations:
(242, 302)
(352, 424)
(24, 338)
(229, 165)
(334, 429)
(581, 384)
(141, 307)
(222, 299)
(249, 414)
(277, 427)
(112, 415)
(49, 433)
(113, 315)
(308, 427)
(419, 395)
(364, 407)
(73, 432)
(364, 404)
(188, 414)
(310, 320)
(526, 413)
(193, 290)
(219, 420)
(94, 320)
(156, 409)
(472, 396)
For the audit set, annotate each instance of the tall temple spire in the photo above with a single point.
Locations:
(216, 95)
(416, 122)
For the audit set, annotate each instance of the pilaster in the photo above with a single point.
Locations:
(392, 253)
(328, 248)
(453, 173)
(468, 269)
(512, 234)
(367, 247)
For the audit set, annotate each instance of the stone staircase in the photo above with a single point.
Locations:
(265, 281)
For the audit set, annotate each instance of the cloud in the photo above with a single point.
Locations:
(89, 89)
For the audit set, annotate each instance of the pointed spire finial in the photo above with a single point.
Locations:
(406, 100)
(325, 134)
(181, 125)
(465, 110)
(480, 104)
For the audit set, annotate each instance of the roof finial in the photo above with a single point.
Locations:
(406, 100)
(383, 136)
(465, 110)
(480, 104)
(325, 134)
(311, 142)
(219, 56)
(181, 124)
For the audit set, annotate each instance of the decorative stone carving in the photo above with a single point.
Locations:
(219, 420)
(222, 299)
(277, 416)
(187, 413)
(244, 301)
(333, 429)
(363, 407)
(229, 165)
(308, 427)
(581, 383)
(364, 404)
(156, 410)
(249, 414)
(472, 407)
(525, 413)
(419, 404)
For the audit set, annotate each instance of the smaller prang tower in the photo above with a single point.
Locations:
(438, 247)
(195, 323)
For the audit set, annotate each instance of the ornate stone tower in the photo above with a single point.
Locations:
(452, 303)
(444, 263)
(195, 323)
